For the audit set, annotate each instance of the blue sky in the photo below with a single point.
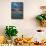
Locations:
(16, 5)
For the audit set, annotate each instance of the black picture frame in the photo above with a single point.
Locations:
(16, 10)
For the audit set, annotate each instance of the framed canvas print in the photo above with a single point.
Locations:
(16, 10)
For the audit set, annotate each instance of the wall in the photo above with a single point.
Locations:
(26, 26)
